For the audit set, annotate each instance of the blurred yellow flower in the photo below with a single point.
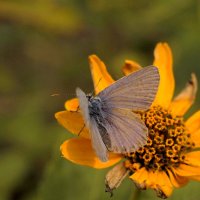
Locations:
(171, 156)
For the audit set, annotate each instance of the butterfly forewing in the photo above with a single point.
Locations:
(135, 91)
(84, 105)
(92, 125)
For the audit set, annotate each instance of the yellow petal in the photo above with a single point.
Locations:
(80, 151)
(176, 180)
(163, 60)
(185, 99)
(185, 170)
(101, 77)
(195, 137)
(195, 178)
(193, 123)
(72, 104)
(140, 177)
(193, 159)
(163, 186)
(130, 67)
(73, 122)
(159, 181)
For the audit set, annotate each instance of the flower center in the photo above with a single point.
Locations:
(168, 139)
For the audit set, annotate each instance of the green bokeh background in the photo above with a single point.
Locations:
(44, 45)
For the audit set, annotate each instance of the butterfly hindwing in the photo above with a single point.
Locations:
(126, 131)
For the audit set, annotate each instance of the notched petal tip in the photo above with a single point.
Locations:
(130, 67)
(184, 100)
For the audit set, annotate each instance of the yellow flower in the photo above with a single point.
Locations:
(171, 157)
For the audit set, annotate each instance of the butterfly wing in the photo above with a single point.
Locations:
(83, 103)
(91, 124)
(126, 131)
(122, 130)
(97, 141)
(135, 91)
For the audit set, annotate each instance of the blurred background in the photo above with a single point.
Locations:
(44, 45)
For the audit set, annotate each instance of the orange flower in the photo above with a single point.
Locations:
(171, 157)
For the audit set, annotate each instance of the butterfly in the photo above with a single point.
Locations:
(111, 116)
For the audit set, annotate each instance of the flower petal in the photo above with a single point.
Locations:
(192, 167)
(193, 159)
(73, 122)
(158, 180)
(163, 186)
(195, 137)
(80, 151)
(185, 170)
(195, 178)
(176, 180)
(115, 176)
(101, 77)
(193, 123)
(163, 60)
(72, 104)
(140, 177)
(130, 67)
(185, 99)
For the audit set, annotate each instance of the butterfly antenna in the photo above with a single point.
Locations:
(55, 94)
(63, 94)
(96, 86)
(81, 130)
